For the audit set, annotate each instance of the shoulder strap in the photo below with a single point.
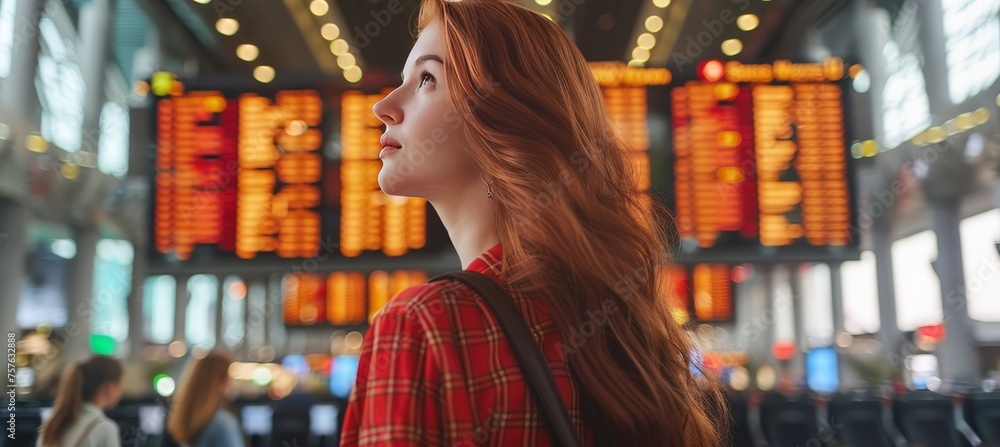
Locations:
(534, 365)
(83, 436)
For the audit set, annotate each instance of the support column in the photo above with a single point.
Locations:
(769, 319)
(180, 308)
(957, 354)
(837, 307)
(255, 310)
(80, 294)
(221, 299)
(874, 24)
(889, 334)
(95, 35)
(136, 338)
(798, 362)
(13, 233)
(18, 92)
(935, 66)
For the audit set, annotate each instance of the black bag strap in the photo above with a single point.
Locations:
(534, 366)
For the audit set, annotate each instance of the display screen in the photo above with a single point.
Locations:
(343, 371)
(821, 370)
(151, 419)
(286, 174)
(257, 419)
(761, 166)
(703, 293)
(323, 420)
(342, 298)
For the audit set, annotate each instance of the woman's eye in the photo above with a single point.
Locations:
(426, 78)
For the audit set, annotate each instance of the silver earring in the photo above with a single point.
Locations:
(489, 189)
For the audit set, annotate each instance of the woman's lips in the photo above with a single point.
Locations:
(389, 145)
(386, 150)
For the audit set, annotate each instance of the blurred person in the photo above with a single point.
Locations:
(198, 414)
(501, 126)
(86, 390)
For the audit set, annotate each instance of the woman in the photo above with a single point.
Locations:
(500, 125)
(87, 389)
(198, 416)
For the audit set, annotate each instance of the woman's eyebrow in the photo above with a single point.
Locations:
(426, 57)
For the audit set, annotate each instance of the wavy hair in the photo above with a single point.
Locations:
(575, 230)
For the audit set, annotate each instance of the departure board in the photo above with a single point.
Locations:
(703, 293)
(625, 91)
(342, 298)
(277, 174)
(760, 162)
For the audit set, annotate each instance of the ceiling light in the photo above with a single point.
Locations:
(635, 63)
(319, 7)
(35, 143)
(227, 26)
(330, 31)
(141, 88)
(543, 2)
(654, 24)
(263, 73)
(646, 41)
(247, 52)
(352, 74)
(204, 2)
(640, 54)
(346, 60)
(661, 3)
(862, 82)
(732, 47)
(747, 22)
(339, 46)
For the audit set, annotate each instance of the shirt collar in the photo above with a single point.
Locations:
(91, 408)
(489, 263)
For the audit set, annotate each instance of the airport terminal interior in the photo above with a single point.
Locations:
(183, 176)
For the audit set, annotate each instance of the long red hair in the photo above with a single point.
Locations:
(575, 230)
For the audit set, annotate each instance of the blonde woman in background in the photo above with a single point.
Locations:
(87, 389)
(198, 416)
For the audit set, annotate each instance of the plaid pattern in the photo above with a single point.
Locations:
(436, 369)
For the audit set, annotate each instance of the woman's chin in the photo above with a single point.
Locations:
(390, 183)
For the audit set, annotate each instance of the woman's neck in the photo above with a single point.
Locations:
(470, 220)
(97, 402)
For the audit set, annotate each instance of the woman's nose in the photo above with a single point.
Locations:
(387, 112)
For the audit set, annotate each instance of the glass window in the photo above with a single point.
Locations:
(43, 293)
(158, 301)
(783, 304)
(59, 83)
(817, 304)
(233, 308)
(905, 108)
(859, 285)
(972, 43)
(112, 284)
(918, 290)
(980, 234)
(7, 10)
(203, 295)
(113, 155)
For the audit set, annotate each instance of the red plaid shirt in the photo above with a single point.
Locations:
(436, 369)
